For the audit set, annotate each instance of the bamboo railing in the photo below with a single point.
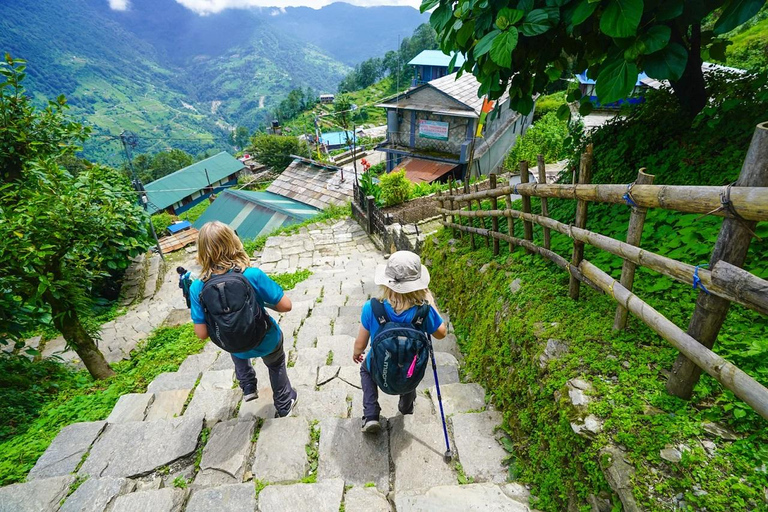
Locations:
(724, 282)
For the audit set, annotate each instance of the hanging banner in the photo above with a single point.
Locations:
(487, 107)
(436, 130)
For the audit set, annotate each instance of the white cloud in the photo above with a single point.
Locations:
(214, 6)
(119, 5)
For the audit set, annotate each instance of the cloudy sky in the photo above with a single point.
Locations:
(214, 6)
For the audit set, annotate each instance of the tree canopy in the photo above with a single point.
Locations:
(60, 232)
(523, 46)
(275, 151)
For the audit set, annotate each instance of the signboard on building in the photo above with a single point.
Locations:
(436, 130)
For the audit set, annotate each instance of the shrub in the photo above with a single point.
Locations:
(196, 211)
(378, 169)
(395, 188)
(546, 136)
(161, 222)
(548, 103)
(275, 151)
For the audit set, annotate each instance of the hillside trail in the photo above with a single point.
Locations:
(190, 443)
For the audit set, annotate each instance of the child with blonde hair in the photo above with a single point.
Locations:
(228, 302)
(406, 303)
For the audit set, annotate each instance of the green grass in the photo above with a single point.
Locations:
(72, 397)
(288, 281)
(330, 213)
(195, 212)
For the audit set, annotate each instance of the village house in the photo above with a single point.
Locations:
(314, 183)
(183, 189)
(430, 130)
(432, 64)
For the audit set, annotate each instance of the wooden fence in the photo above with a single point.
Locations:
(742, 205)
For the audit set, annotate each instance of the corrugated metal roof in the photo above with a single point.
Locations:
(173, 188)
(435, 58)
(418, 171)
(584, 79)
(313, 184)
(255, 213)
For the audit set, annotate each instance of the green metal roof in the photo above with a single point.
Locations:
(173, 188)
(435, 58)
(255, 213)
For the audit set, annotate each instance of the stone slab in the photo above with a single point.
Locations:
(34, 496)
(480, 454)
(446, 375)
(365, 499)
(223, 362)
(302, 376)
(131, 407)
(216, 379)
(162, 442)
(67, 449)
(459, 397)
(161, 500)
(214, 404)
(262, 407)
(326, 373)
(177, 317)
(459, 498)
(312, 357)
(322, 496)
(448, 344)
(197, 363)
(341, 346)
(237, 497)
(351, 375)
(167, 404)
(225, 454)
(345, 452)
(445, 359)
(417, 449)
(281, 450)
(346, 327)
(308, 333)
(173, 380)
(97, 494)
(422, 407)
(318, 405)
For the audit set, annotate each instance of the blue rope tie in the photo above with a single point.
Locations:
(628, 196)
(697, 280)
(514, 189)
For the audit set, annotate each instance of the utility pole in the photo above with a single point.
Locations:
(354, 149)
(129, 140)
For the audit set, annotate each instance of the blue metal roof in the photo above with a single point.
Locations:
(255, 213)
(584, 79)
(179, 226)
(435, 58)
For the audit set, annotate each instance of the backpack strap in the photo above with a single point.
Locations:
(379, 312)
(420, 318)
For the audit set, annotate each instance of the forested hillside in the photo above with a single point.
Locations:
(178, 79)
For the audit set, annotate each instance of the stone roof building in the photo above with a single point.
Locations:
(318, 185)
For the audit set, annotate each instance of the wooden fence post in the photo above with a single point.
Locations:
(453, 217)
(369, 207)
(527, 225)
(544, 208)
(731, 246)
(469, 209)
(585, 176)
(494, 220)
(510, 221)
(442, 203)
(481, 220)
(634, 234)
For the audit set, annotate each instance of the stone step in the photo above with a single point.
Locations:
(131, 407)
(422, 407)
(458, 398)
(214, 405)
(345, 452)
(417, 449)
(153, 274)
(97, 494)
(37, 495)
(235, 497)
(480, 453)
(342, 347)
(162, 500)
(67, 449)
(167, 404)
(225, 454)
(281, 450)
(323, 496)
(173, 380)
(445, 374)
(115, 453)
(197, 363)
(216, 379)
(365, 499)
(319, 405)
(462, 498)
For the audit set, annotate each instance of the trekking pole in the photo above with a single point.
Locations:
(448, 454)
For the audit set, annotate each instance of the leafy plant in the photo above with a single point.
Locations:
(369, 187)
(180, 482)
(288, 281)
(547, 136)
(548, 103)
(275, 151)
(395, 188)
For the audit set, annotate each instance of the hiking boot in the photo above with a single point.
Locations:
(290, 409)
(370, 426)
(250, 393)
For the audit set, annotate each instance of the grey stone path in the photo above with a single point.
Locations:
(191, 443)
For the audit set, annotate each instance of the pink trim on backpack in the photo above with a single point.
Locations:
(413, 366)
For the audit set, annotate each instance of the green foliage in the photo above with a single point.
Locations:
(547, 136)
(195, 212)
(240, 137)
(288, 281)
(395, 188)
(61, 233)
(524, 50)
(161, 221)
(72, 397)
(370, 187)
(275, 151)
(180, 482)
(312, 450)
(153, 167)
(205, 434)
(749, 48)
(548, 103)
(331, 213)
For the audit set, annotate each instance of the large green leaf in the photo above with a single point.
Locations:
(583, 11)
(525, 5)
(483, 46)
(466, 31)
(621, 18)
(536, 22)
(427, 5)
(736, 13)
(615, 81)
(508, 17)
(502, 47)
(667, 64)
(669, 9)
(653, 40)
(440, 17)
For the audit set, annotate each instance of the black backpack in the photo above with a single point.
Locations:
(236, 321)
(399, 351)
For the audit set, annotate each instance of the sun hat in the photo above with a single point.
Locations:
(403, 273)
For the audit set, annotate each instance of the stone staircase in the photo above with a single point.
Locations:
(190, 443)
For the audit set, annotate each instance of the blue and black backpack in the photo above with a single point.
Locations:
(399, 351)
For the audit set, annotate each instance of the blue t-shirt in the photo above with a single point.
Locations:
(267, 292)
(367, 318)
